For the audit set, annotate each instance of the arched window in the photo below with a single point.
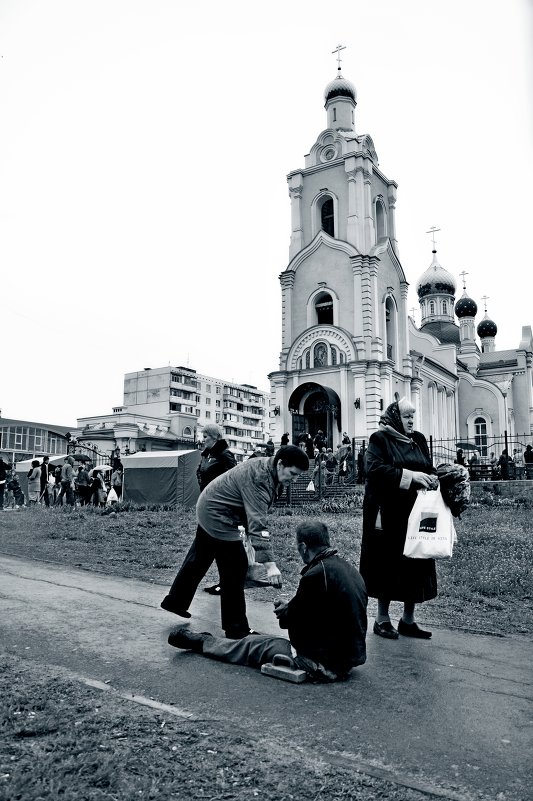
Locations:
(307, 360)
(320, 355)
(444, 307)
(333, 355)
(341, 357)
(432, 307)
(324, 309)
(381, 220)
(390, 328)
(480, 435)
(187, 432)
(327, 218)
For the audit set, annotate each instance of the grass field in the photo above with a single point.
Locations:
(486, 586)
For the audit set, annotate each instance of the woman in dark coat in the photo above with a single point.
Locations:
(397, 464)
(216, 459)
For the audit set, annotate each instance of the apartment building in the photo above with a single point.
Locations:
(190, 399)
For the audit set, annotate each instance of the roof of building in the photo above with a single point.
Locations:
(340, 87)
(498, 358)
(435, 280)
(487, 327)
(465, 306)
(6, 421)
(446, 332)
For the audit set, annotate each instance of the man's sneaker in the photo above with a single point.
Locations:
(180, 637)
(167, 604)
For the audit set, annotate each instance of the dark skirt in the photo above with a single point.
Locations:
(390, 575)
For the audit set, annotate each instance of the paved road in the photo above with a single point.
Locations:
(453, 713)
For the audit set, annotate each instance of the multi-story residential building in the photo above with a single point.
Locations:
(191, 400)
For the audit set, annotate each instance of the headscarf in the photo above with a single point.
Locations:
(391, 422)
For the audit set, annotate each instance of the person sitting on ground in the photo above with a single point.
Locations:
(240, 497)
(326, 619)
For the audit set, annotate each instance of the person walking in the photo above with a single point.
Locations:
(116, 480)
(326, 619)
(45, 478)
(397, 464)
(34, 483)
(240, 497)
(67, 482)
(82, 484)
(4, 469)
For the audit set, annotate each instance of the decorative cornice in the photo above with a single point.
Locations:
(321, 239)
(325, 333)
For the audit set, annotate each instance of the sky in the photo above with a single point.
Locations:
(144, 149)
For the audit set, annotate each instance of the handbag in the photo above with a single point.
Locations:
(430, 529)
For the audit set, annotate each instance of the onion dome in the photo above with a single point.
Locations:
(435, 280)
(340, 87)
(487, 328)
(465, 306)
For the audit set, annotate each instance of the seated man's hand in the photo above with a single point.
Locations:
(273, 574)
(280, 607)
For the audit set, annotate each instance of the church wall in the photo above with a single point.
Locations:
(475, 399)
(332, 178)
(520, 393)
(333, 268)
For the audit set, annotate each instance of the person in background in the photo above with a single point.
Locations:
(34, 483)
(518, 464)
(270, 448)
(503, 464)
(216, 459)
(326, 619)
(240, 497)
(116, 480)
(331, 467)
(45, 476)
(460, 458)
(528, 461)
(285, 439)
(319, 440)
(361, 475)
(473, 463)
(397, 465)
(4, 469)
(67, 482)
(83, 482)
(493, 466)
(346, 439)
(98, 488)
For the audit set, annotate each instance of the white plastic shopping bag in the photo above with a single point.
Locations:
(430, 530)
(311, 486)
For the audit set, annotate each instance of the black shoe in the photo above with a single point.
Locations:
(214, 590)
(412, 630)
(167, 604)
(239, 635)
(180, 637)
(386, 630)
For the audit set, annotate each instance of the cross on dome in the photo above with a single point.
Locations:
(433, 231)
(338, 52)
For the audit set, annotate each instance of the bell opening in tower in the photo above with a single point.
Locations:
(327, 217)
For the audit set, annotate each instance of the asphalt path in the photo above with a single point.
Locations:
(452, 716)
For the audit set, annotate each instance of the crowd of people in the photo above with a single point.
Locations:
(67, 484)
(517, 467)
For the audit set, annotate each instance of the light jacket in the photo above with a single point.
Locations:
(241, 497)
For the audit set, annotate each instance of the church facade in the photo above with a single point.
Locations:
(349, 347)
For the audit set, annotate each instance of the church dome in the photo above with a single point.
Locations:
(465, 306)
(487, 328)
(435, 280)
(340, 87)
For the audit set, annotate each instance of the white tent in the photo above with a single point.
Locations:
(161, 477)
(23, 468)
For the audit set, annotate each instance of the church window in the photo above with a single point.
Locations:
(390, 328)
(320, 355)
(187, 432)
(341, 357)
(444, 307)
(334, 115)
(381, 220)
(308, 360)
(432, 307)
(327, 221)
(333, 355)
(324, 309)
(480, 435)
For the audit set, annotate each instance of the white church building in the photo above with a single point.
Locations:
(349, 346)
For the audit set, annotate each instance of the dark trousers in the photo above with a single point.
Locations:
(68, 492)
(232, 563)
(44, 495)
(251, 651)
(2, 488)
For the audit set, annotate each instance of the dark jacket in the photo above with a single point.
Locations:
(389, 463)
(326, 618)
(215, 461)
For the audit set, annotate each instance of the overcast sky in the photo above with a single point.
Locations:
(144, 148)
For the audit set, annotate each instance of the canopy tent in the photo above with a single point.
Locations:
(167, 477)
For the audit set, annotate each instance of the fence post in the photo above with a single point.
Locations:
(506, 441)
(431, 447)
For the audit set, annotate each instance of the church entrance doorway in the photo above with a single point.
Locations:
(315, 408)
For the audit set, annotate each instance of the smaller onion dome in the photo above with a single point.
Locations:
(465, 306)
(435, 280)
(340, 87)
(487, 328)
